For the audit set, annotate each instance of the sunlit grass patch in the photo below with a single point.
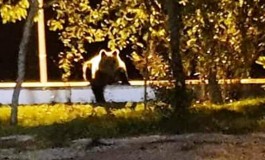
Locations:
(238, 106)
(38, 115)
(128, 112)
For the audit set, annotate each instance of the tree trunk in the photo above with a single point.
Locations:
(215, 94)
(173, 9)
(22, 59)
(149, 51)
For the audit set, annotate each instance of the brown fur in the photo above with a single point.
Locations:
(108, 73)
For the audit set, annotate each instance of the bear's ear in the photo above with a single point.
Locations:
(102, 53)
(115, 53)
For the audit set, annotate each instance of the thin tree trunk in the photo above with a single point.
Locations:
(215, 94)
(22, 59)
(146, 75)
(173, 9)
(150, 50)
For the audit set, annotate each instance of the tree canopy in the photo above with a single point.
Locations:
(228, 35)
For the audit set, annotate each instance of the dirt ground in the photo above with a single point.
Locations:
(155, 147)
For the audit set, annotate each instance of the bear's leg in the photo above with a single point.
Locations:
(98, 91)
(98, 84)
(121, 76)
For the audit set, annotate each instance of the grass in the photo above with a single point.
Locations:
(56, 125)
(244, 116)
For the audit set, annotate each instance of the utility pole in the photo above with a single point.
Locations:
(42, 44)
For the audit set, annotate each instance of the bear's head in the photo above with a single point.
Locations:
(109, 62)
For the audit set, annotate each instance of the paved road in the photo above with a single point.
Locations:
(157, 147)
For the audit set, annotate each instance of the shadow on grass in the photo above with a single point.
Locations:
(57, 135)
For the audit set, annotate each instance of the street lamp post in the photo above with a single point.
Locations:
(42, 45)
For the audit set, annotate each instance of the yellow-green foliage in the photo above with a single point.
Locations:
(37, 115)
(13, 13)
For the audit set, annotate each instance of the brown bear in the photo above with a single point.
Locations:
(108, 71)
